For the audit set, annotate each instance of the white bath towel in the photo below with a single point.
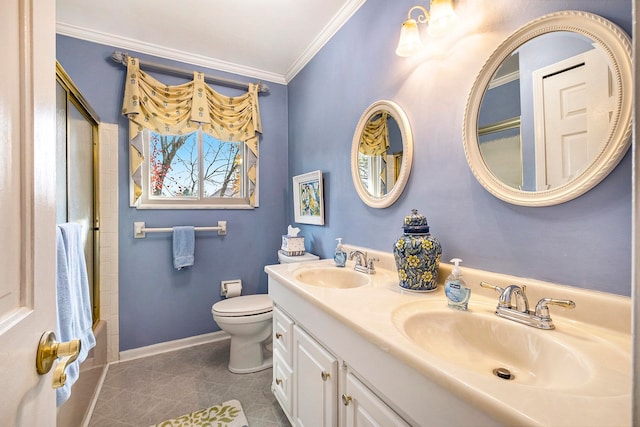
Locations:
(73, 302)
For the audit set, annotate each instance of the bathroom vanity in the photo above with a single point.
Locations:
(353, 349)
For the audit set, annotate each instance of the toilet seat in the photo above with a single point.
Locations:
(247, 305)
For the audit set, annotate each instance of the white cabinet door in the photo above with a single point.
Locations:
(365, 409)
(315, 382)
(27, 213)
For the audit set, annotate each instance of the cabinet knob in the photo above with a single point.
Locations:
(346, 399)
(325, 375)
(278, 335)
(278, 381)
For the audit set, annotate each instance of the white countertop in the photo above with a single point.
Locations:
(603, 400)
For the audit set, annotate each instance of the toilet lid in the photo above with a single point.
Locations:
(245, 305)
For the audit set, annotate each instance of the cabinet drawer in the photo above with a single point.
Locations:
(282, 335)
(282, 385)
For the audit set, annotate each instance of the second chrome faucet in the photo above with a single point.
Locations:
(363, 264)
(514, 305)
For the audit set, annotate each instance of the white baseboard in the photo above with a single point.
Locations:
(165, 347)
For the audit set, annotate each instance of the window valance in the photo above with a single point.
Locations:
(182, 109)
(374, 140)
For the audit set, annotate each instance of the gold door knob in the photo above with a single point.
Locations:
(346, 399)
(49, 350)
(278, 335)
(325, 375)
(278, 381)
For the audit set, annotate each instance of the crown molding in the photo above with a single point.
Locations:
(167, 53)
(325, 35)
(343, 15)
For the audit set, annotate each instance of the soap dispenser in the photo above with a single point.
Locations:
(340, 256)
(455, 288)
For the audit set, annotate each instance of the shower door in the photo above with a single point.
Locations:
(76, 160)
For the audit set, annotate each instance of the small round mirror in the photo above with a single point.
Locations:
(549, 115)
(381, 154)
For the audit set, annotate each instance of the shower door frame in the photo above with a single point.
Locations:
(75, 98)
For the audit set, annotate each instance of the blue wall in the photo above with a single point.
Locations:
(156, 302)
(585, 242)
(309, 125)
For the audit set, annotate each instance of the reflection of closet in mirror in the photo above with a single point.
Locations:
(380, 154)
(76, 171)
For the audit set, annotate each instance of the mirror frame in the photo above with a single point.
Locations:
(407, 153)
(617, 46)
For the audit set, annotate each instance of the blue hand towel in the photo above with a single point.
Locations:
(73, 303)
(184, 242)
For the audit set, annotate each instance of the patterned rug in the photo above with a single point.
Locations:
(227, 414)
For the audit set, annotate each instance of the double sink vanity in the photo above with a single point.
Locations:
(353, 348)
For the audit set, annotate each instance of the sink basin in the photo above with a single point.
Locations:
(481, 342)
(332, 277)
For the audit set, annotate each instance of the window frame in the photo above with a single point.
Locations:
(147, 201)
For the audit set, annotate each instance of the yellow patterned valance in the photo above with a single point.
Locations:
(374, 140)
(181, 109)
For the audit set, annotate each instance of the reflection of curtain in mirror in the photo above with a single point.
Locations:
(374, 143)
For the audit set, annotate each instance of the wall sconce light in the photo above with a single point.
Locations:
(440, 17)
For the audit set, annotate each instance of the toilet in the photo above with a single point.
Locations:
(248, 320)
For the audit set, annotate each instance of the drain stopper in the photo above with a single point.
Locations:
(503, 373)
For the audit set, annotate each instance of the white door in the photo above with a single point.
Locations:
(576, 110)
(27, 207)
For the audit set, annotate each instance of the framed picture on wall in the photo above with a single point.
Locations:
(308, 200)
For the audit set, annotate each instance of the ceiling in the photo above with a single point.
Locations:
(267, 39)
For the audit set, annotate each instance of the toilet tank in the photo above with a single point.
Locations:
(286, 259)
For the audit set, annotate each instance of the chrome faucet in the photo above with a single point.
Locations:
(363, 264)
(514, 305)
(508, 294)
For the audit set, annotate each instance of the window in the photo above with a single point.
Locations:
(190, 146)
(194, 170)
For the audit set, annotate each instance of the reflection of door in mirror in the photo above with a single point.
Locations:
(378, 159)
(546, 113)
(558, 93)
(571, 96)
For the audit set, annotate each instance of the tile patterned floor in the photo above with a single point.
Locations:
(149, 390)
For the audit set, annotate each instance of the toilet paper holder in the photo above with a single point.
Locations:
(230, 288)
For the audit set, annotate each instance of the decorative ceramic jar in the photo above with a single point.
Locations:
(417, 255)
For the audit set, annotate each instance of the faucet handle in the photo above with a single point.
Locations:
(370, 267)
(542, 308)
(498, 289)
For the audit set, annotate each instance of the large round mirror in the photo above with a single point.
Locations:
(381, 154)
(549, 115)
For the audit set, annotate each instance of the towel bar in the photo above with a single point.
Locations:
(139, 229)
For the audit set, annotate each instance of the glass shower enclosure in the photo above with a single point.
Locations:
(76, 176)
